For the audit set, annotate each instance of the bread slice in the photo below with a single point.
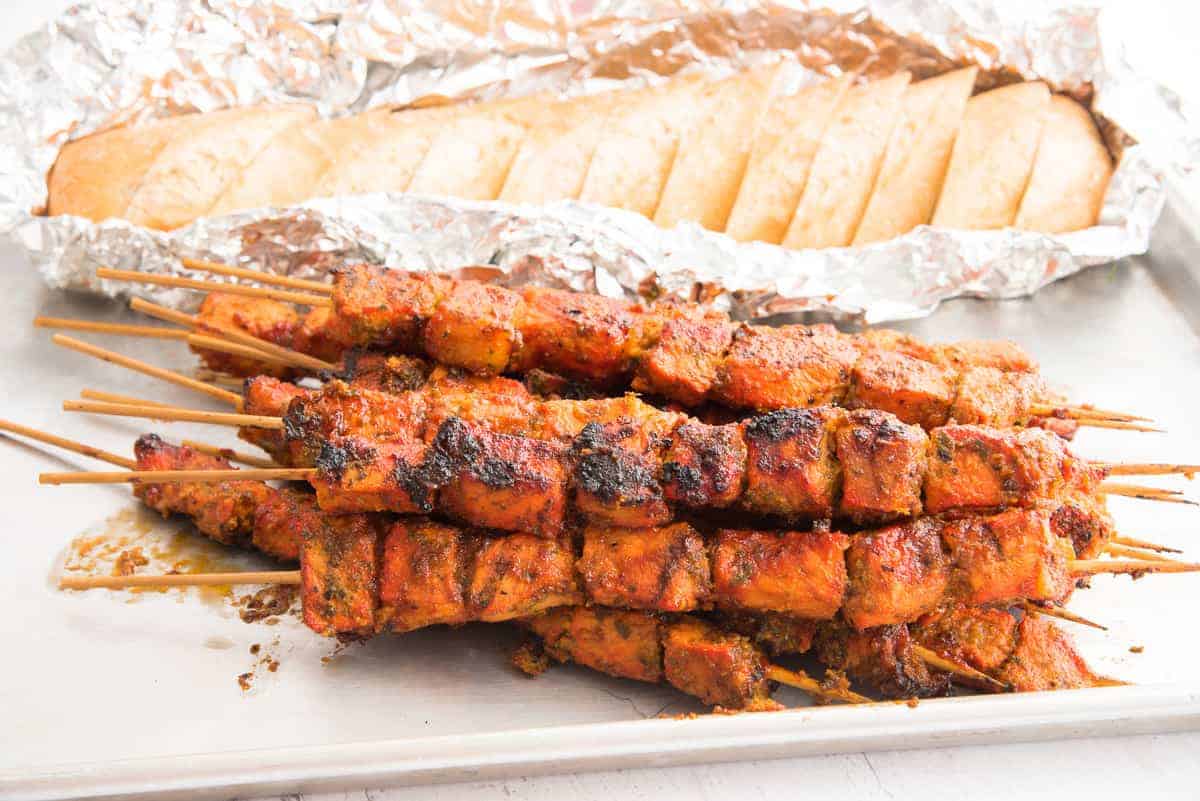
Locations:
(382, 150)
(993, 157)
(785, 143)
(917, 155)
(1070, 175)
(192, 170)
(553, 160)
(631, 163)
(96, 176)
(713, 152)
(469, 158)
(847, 162)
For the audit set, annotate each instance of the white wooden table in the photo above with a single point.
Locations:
(1166, 766)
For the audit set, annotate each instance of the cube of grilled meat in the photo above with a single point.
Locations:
(704, 466)
(265, 319)
(521, 575)
(270, 397)
(1001, 354)
(281, 520)
(776, 634)
(1027, 652)
(976, 468)
(915, 391)
(423, 582)
(339, 575)
(474, 327)
(896, 573)
(615, 642)
(782, 368)
(720, 668)
(314, 420)
(688, 347)
(1007, 557)
(981, 637)
(801, 574)
(1045, 659)
(380, 308)
(880, 657)
(581, 335)
(319, 335)
(663, 569)
(883, 465)
(498, 480)
(989, 396)
(888, 339)
(383, 372)
(223, 510)
(615, 476)
(355, 474)
(791, 467)
(1083, 521)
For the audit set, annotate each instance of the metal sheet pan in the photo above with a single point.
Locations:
(104, 695)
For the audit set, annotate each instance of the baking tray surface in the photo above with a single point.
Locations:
(109, 694)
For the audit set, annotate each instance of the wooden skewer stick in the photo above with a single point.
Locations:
(127, 400)
(119, 329)
(936, 660)
(1113, 549)
(1062, 614)
(1093, 567)
(1148, 469)
(177, 476)
(67, 444)
(182, 415)
(140, 366)
(284, 295)
(179, 580)
(1081, 413)
(257, 275)
(229, 454)
(1144, 493)
(1145, 544)
(286, 355)
(802, 681)
(235, 348)
(163, 313)
(1120, 424)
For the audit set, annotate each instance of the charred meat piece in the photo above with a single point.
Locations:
(988, 396)
(281, 520)
(521, 575)
(224, 510)
(880, 657)
(883, 465)
(379, 308)
(499, 481)
(791, 467)
(704, 466)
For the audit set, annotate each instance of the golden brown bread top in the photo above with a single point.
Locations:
(829, 164)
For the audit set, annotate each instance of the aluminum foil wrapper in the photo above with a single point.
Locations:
(105, 63)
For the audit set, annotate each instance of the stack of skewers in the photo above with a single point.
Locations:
(655, 492)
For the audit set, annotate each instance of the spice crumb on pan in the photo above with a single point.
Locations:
(1136, 649)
